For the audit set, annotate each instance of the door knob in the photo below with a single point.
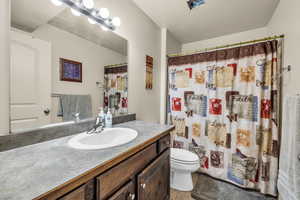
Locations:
(131, 196)
(143, 185)
(47, 111)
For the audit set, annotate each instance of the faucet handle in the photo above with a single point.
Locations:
(76, 114)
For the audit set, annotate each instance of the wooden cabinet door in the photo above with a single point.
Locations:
(154, 181)
(125, 193)
(85, 192)
(164, 143)
(110, 181)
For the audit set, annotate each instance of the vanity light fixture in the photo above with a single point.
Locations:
(75, 12)
(89, 4)
(116, 21)
(104, 28)
(104, 13)
(56, 2)
(91, 21)
(95, 16)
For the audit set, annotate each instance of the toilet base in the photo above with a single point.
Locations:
(181, 181)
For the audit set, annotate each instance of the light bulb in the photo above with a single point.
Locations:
(75, 12)
(104, 13)
(107, 22)
(89, 4)
(95, 12)
(91, 21)
(104, 28)
(56, 2)
(116, 21)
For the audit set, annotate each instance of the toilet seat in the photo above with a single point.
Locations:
(183, 156)
(184, 162)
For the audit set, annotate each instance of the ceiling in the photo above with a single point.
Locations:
(28, 15)
(213, 19)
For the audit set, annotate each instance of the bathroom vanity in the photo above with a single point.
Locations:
(143, 173)
(53, 170)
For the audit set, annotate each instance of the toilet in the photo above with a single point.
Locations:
(183, 164)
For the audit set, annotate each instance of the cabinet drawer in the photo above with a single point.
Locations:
(127, 192)
(111, 180)
(85, 192)
(154, 181)
(164, 143)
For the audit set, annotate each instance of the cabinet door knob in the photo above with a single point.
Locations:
(131, 196)
(143, 185)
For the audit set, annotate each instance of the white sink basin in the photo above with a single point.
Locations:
(110, 137)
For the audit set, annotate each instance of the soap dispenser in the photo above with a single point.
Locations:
(101, 115)
(108, 119)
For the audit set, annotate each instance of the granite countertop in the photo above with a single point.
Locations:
(31, 171)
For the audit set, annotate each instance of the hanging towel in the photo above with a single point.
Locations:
(289, 166)
(70, 104)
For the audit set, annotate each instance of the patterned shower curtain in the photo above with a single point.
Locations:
(225, 107)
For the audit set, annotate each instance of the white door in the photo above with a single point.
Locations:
(30, 82)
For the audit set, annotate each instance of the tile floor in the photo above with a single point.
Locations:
(207, 188)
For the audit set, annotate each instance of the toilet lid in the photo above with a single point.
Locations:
(183, 155)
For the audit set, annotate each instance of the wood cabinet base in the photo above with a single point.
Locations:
(144, 175)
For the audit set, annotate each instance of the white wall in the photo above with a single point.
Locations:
(173, 45)
(144, 38)
(163, 74)
(169, 45)
(286, 21)
(4, 65)
(92, 56)
(226, 39)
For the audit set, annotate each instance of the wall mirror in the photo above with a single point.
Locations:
(63, 64)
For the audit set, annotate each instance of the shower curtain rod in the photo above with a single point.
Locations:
(226, 46)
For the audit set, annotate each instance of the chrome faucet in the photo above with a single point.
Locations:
(98, 127)
(76, 117)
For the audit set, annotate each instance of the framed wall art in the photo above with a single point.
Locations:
(149, 72)
(70, 70)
